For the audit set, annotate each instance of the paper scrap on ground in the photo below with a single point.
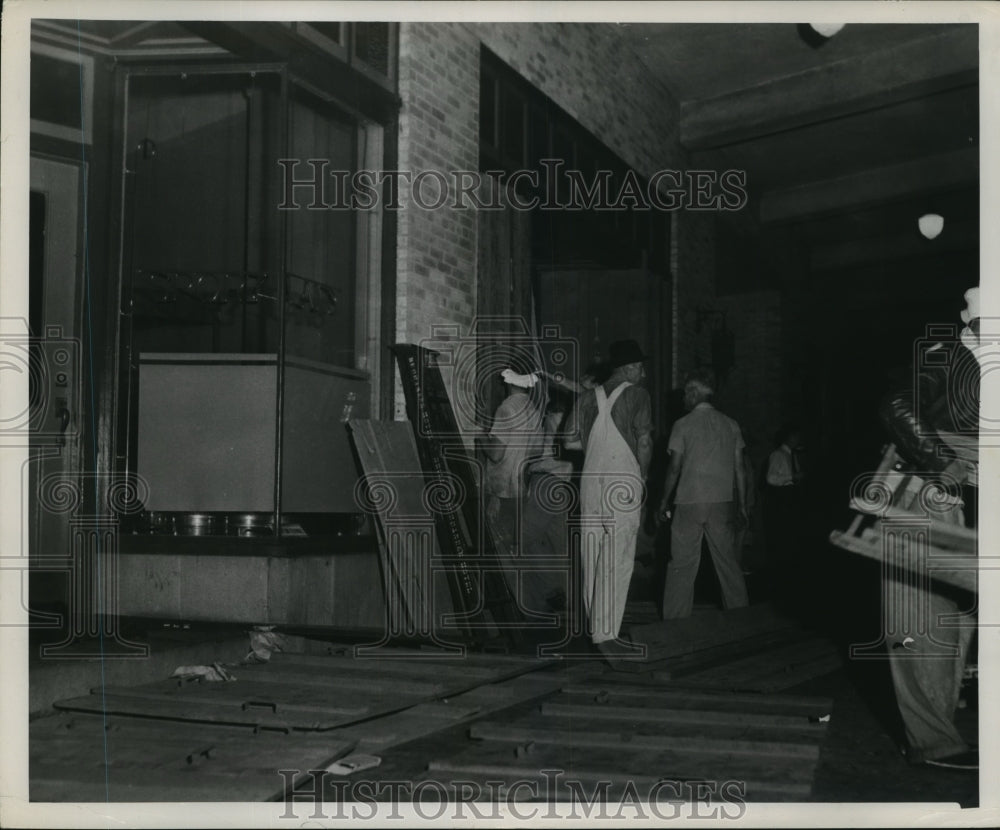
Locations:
(213, 674)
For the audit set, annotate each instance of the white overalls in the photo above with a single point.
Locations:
(610, 502)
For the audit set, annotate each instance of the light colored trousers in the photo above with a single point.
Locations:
(715, 522)
(607, 557)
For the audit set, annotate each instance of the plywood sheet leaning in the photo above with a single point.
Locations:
(393, 488)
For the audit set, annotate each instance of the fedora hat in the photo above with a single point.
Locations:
(624, 352)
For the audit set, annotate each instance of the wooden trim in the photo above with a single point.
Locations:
(85, 133)
(246, 546)
(386, 380)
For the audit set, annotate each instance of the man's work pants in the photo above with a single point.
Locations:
(716, 522)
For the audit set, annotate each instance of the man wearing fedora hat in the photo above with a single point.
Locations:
(614, 426)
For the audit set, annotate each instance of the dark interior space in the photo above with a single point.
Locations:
(276, 428)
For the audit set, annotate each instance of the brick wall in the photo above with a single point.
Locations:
(588, 71)
(438, 130)
(752, 391)
(591, 73)
(694, 271)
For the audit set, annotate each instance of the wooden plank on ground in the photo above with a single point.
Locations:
(164, 707)
(581, 721)
(593, 794)
(420, 663)
(741, 674)
(679, 665)
(297, 692)
(620, 766)
(627, 742)
(78, 758)
(459, 655)
(640, 612)
(337, 681)
(425, 719)
(648, 715)
(411, 663)
(800, 674)
(279, 698)
(668, 698)
(707, 629)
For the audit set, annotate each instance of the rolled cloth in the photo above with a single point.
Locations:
(514, 379)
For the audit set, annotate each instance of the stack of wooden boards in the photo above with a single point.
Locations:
(753, 649)
(442, 574)
(700, 707)
(182, 741)
(614, 735)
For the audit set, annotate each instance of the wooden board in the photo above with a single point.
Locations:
(428, 718)
(620, 767)
(165, 708)
(676, 745)
(800, 674)
(305, 693)
(394, 484)
(682, 665)
(680, 727)
(948, 567)
(603, 692)
(952, 537)
(87, 758)
(588, 792)
(482, 595)
(650, 715)
(748, 671)
(670, 638)
(607, 729)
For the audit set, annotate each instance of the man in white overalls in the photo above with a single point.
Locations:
(614, 424)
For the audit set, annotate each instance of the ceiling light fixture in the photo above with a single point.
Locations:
(827, 30)
(931, 225)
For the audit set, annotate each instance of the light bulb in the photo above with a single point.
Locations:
(931, 225)
(826, 29)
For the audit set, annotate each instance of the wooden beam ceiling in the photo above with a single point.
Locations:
(945, 171)
(906, 71)
(856, 252)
